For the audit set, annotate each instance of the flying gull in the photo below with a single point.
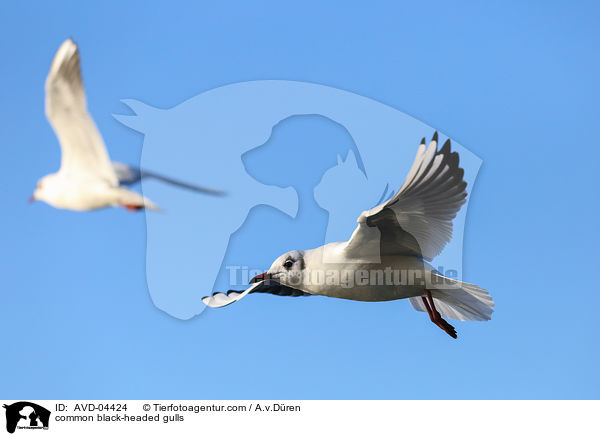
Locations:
(387, 256)
(87, 179)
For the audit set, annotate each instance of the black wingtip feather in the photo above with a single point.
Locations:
(453, 160)
(446, 147)
(435, 137)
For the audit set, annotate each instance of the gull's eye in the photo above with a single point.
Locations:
(288, 264)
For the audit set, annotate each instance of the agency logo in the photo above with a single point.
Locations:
(299, 163)
(26, 415)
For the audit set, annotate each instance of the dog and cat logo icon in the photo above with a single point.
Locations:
(26, 415)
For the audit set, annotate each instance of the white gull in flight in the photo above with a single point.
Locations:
(387, 256)
(87, 179)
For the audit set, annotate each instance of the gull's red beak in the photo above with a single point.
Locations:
(31, 199)
(260, 278)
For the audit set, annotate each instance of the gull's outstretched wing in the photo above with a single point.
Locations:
(417, 220)
(83, 152)
(129, 175)
(222, 299)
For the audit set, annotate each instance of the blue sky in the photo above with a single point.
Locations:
(515, 83)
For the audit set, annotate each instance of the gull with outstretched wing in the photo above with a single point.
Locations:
(87, 179)
(395, 240)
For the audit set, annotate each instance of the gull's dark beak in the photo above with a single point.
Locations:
(261, 277)
(31, 199)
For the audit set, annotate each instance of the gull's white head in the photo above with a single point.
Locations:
(288, 269)
(44, 190)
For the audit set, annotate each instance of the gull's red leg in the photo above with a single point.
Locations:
(428, 309)
(132, 207)
(436, 318)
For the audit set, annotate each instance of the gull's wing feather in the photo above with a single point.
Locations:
(222, 299)
(128, 175)
(84, 154)
(417, 220)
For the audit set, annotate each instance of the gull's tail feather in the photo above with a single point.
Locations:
(460, 300)
(132, 200)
